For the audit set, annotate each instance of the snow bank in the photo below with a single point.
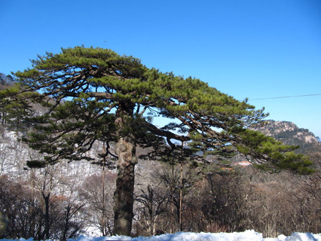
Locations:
(188, 236)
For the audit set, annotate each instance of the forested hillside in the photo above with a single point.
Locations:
(67, 199)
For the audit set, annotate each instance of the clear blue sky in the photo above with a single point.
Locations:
(245, 48)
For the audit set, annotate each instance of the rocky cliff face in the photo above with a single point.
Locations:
(287, 132)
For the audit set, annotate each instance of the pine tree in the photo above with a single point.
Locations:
(94, 94)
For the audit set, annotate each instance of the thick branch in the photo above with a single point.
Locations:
(153, 129)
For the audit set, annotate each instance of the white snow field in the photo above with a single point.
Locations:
(249, 235)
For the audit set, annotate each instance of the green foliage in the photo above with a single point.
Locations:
(94, 94)
(15, 109)
(269, 154)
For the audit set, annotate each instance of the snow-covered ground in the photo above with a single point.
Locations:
(187, 236)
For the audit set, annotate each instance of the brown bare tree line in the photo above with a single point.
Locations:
(48, 204)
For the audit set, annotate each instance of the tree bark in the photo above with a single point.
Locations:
(47, 214)
(124, 193)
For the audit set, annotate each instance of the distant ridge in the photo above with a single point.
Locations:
(290, 134)
(287, 132)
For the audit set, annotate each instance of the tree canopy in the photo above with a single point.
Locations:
(94, 94)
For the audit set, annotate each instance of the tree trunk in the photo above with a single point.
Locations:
(172, 201)
(66, 226)
(47, 214)
(124, 193)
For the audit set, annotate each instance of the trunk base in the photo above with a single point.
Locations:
(124, 193)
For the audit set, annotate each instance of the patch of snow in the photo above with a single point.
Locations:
(249, 235)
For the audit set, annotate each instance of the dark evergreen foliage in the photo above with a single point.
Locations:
(94, 94)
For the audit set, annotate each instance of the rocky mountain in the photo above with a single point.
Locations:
(287, 132)
(290, 134)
